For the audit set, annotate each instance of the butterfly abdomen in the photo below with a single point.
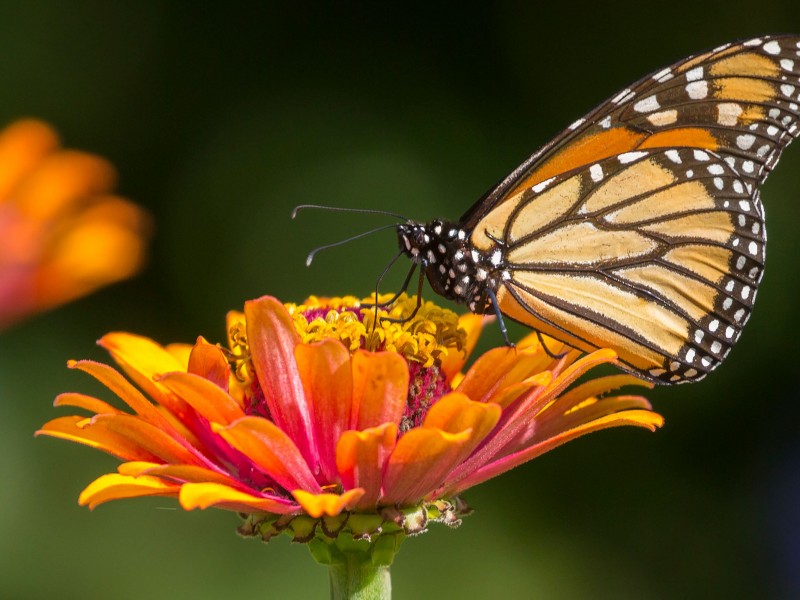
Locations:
(455, 269)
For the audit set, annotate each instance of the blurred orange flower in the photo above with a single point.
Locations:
(317, 411)
(62, 233)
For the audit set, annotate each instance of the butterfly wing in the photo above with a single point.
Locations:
(640, 227)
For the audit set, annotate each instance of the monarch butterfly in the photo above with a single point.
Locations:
(639, 227)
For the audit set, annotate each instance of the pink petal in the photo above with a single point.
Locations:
(272, 338)
(271, 450)
(324, 368)
(641, 418)
(206, 397)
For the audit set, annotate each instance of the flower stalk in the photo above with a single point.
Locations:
(355, 579)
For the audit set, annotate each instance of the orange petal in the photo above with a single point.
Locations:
(89, 251)
(455, 412)
(23, 145)
(143, 360)
(324, 368)
(596, 387)
(209, 362)
(454, 361)
(317, 505)
(83, 431)
(552, 422)
(508, 395)
(150, 438)
(268, 447)
(61, 182)
(380, 388)
(579, 367)
(204, 495)
(86, 402)
(271, 337)
(361, 457)
(420, 462)
(122, 388)
(640, 418)
(181, 353)
(116, 487)
(482, 378)
(134, 468)
(180, 473)
(206, 397)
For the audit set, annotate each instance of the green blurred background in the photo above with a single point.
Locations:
(220, 120)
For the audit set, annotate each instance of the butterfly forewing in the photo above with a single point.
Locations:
(740, 101)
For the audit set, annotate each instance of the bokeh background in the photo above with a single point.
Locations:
(220, 119)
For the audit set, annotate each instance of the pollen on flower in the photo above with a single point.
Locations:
(425, 338)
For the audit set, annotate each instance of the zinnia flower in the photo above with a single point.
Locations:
(62, 233)
(318, 422)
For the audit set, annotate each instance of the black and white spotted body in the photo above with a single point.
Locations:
(454, 268)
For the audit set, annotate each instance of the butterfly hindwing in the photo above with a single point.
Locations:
(654, 253)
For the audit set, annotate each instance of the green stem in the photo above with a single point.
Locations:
(357, 579)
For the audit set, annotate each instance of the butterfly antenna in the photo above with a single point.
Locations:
(369, 211)
(313, 253)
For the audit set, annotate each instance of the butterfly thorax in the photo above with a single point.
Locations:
(455, 269)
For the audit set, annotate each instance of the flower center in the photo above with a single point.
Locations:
(422, 336)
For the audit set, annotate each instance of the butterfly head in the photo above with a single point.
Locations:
(455, 269)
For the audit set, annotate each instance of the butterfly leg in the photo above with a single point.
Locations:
(403, 288)
(547, 350)
(413, 314)
(500, 322)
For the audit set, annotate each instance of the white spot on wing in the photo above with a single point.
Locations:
(663, 118)
(697, 90)
(628, 157)
(648, 104)
(695, 74)
(745, 141)
(663, 75)
(542, 185)
(728, 113)
(623, 96)
(596, 172)
(772, 47)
